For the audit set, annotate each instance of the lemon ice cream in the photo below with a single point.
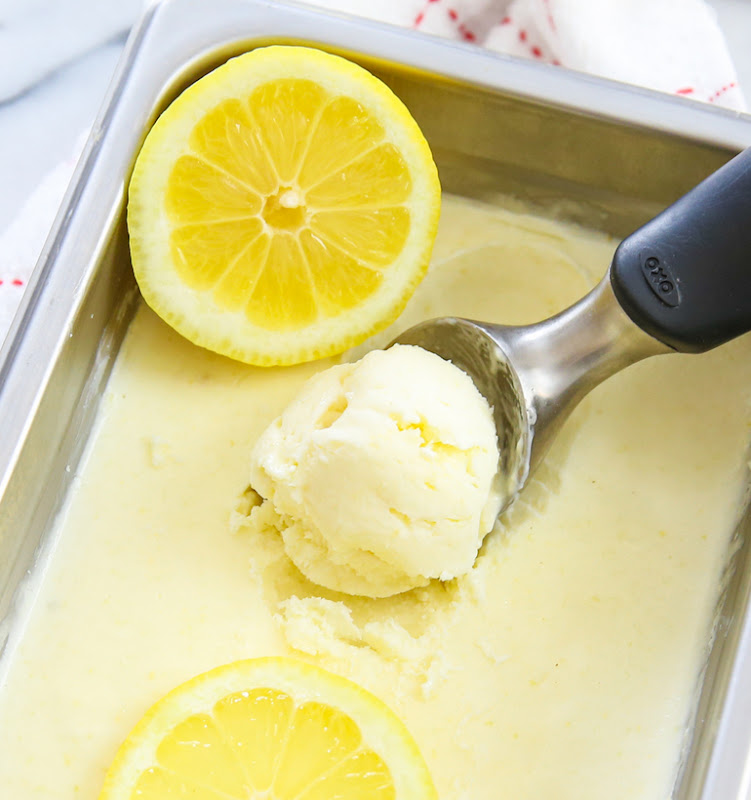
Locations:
(563, 665)
(381, 474)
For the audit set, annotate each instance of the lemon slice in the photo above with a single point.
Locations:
(283, 208)
(271, 729)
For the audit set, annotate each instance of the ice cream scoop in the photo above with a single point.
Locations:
(680, 283)
(381, 474)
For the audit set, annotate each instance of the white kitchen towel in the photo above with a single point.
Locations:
(669, 45)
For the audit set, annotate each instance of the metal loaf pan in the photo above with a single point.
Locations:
(603, 154)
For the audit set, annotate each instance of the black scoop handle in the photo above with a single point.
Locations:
(685, 276)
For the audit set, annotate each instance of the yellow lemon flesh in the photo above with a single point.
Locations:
(271, 728)
(283, 208)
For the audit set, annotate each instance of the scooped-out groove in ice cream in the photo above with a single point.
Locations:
(382, 474)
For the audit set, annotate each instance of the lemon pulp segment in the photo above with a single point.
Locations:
(259, 741)
(292, 201)
(266, 206)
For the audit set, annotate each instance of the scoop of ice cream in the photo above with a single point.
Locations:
(382, 473)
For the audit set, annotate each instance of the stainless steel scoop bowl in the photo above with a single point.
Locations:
(534, 376)
(682, 282)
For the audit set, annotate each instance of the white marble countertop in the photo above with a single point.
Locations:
(40, 128)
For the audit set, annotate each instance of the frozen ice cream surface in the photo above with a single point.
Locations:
(564, 664)
(382, 474)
